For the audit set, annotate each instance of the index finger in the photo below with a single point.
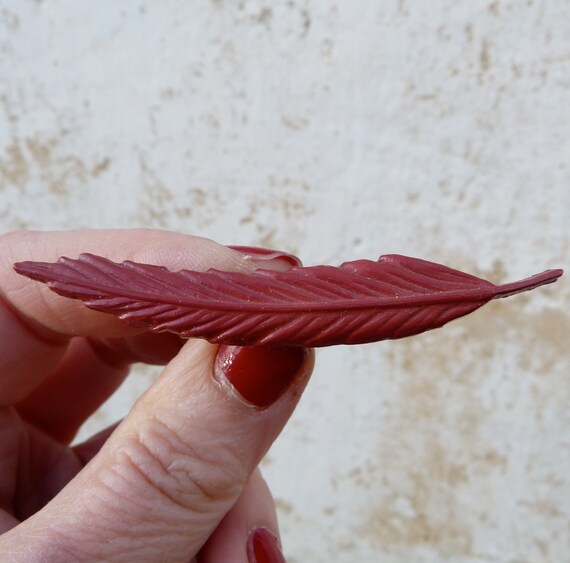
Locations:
(63, 317)
(37, 325)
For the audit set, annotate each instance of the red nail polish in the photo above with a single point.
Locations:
(263, 547)
(259, 374)
(263, 255)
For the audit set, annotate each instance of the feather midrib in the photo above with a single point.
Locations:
(441, 298)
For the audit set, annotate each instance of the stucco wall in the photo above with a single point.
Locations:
(339, 130)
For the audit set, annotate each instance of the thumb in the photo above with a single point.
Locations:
(177, 463)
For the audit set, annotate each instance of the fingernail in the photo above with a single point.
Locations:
(263, 547)
(259, 374)
(267, 258)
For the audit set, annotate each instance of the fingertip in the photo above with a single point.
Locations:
(259, 375)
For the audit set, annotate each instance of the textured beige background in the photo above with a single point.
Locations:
(339, 130)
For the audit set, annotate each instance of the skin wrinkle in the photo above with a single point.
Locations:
(90, 543)
(192, 517)
(36, 549)
(56, 541)
(162, 445)
(118, 485)
(126, 471)
(132, 533)
(146, 471)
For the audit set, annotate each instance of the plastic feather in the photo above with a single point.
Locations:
(357, 302)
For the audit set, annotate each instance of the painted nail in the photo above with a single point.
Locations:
(259, 374)
(265, 257)
(263, 547)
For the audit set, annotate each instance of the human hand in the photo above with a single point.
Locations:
(177, 478)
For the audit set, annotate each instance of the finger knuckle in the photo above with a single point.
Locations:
(191, 476)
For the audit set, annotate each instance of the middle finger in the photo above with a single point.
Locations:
(89, 373)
